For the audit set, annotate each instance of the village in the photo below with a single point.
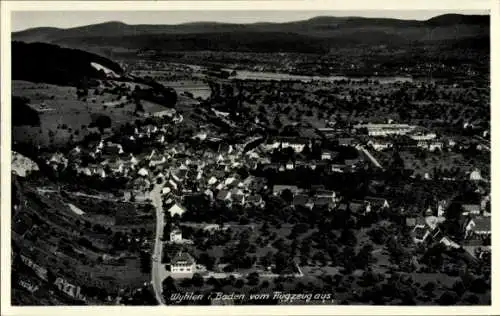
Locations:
(211, 191)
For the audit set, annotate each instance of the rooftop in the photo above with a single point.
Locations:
(182, 257)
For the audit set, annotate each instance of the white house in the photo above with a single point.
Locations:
(435, 146)
(212, 181)
(200, 136)
(475, 175)
(182, 263)
(209, 193)
(143, 172)
(290, 165)
(176, 209)
(176, 235)
(133, 160)
(229, 181)
(326, 155)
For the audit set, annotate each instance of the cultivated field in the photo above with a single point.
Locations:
(66, 117)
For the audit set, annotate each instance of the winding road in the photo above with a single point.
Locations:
(158, 272)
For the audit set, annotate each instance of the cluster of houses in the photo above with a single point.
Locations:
(475, 224)
(386, 136)
(110, 157)
(318, 197)
(214, 175)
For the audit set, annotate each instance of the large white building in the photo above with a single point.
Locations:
(183, 262)
(386, 129)
(423, 137)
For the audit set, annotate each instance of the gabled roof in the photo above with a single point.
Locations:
(176, 209)
(278, 188)
(342, 207)
(322, 200)
(325, 193)
(357, 206)
(300, 199)
(182, 257)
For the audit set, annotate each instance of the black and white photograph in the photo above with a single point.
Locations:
(249, 157)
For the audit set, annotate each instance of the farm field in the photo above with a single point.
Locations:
(65, 117)
(440, 160)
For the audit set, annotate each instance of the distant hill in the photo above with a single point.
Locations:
(39, 34)
(315, 34)
(41, 62)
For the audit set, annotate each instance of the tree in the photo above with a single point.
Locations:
(266, 260)
(169, 285)
(472, 299)
(478, 286)
(197, 280)
(239, 283)
(282, 262)
(347, 237)
(429, 287)
(448, 298)
(306, 151)
(82, 89)
(364, 257)
(207, 260)
(347, 256)
(253, 278)
(277, 122)
(102, 122)
(145, 262)
(265, 284)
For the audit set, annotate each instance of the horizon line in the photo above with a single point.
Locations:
(247, 23)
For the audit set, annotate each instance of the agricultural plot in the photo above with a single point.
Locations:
(65, 117)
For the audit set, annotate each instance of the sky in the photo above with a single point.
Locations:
(22, 20)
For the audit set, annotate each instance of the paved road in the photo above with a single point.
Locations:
(367, 153)
(158, 271)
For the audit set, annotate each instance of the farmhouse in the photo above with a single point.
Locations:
(182, 262)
